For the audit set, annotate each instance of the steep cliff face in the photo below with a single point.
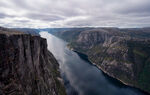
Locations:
(117, 53)
(27, 67)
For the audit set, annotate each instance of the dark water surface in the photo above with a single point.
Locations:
(80, 76)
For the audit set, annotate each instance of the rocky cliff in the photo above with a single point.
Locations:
(121, 53)
(26, 66)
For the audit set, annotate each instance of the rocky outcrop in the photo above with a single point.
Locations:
(26, 66)
(121, 55)
(28, 31)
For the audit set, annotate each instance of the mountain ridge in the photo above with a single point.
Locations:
(122, 54)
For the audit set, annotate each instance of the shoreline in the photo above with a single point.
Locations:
(107, 73)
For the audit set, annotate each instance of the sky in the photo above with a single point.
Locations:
(74, 13)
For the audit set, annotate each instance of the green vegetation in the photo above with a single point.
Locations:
(121, 47)
(61, 89)
(144, 78)
(140, 53)
(109, 58)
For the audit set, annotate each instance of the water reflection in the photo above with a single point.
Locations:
(82, 78)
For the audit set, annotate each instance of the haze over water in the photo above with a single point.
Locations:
(80, 76)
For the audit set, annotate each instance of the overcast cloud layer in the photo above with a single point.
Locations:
(74, 13)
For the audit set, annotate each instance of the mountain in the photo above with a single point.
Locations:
(28, 30)
(68, 34)
(121, 53)
(26, 65)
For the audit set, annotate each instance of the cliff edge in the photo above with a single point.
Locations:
(26, 66)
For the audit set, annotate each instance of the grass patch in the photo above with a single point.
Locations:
(137, 52)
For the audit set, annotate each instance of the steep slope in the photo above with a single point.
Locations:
(26, 66)
(121, 55)
(68, 34)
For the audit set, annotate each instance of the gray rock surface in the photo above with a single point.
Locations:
(27, 67)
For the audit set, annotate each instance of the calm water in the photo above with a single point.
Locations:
(80, 76)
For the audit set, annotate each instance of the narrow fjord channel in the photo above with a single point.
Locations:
(80, 76)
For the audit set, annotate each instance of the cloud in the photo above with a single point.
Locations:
(2, 15)
(44, 17)
(135, 6)
(69, 13)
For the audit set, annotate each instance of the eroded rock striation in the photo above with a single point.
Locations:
(26, 66)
